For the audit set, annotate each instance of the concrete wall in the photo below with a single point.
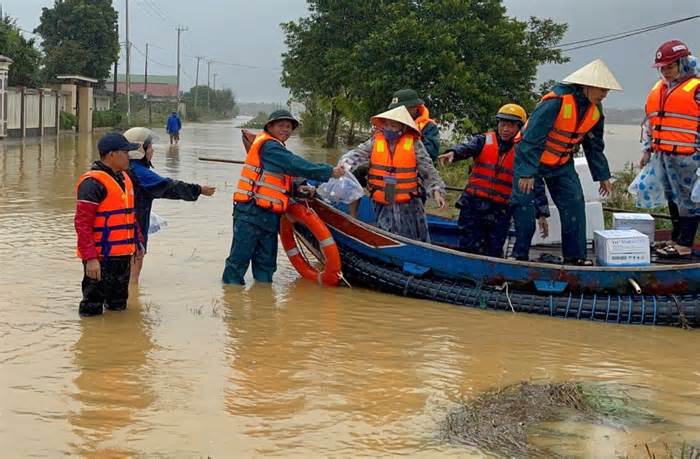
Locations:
(14, 110)
(85, 99)
(102, 103)
(32, 112)
(48, 110)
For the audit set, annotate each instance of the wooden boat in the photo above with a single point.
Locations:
(656, 294)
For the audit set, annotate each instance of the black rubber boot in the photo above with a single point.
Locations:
(87, 309)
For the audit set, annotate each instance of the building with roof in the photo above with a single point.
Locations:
(158, 85)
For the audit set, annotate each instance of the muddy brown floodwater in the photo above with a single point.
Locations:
(194, 368)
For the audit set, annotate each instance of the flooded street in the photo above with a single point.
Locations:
(193, 368)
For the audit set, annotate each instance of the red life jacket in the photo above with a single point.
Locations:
(567, 131)
(270, 190)
(114, 227)
(492, 173)
(674, 117)
(393, 176)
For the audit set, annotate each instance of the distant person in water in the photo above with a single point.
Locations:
(148, 185)
(173, 128)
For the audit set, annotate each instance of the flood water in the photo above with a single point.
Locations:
(196, 369)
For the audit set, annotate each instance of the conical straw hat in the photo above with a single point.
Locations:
(595, 74)
(398, 114)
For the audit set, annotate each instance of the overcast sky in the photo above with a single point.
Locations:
(248, 33)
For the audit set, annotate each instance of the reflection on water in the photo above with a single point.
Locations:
(194, 368)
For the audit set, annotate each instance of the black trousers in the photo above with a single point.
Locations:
(111, 291)
(683, 228)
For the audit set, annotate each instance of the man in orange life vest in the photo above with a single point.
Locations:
(484, 207)
(671, 131)
(262, 196)
(568, 116)
(106, 227)
(430, 132)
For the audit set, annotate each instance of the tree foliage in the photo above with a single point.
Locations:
(79, 37)
(465, 57)
(219, 102)
(24, 70)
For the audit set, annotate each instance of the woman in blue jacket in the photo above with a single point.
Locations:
(148, 185)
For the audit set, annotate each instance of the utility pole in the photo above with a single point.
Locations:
(114, 76)
(128, 69)
(196, 83)
(209, 84)
(145, 87)
(179, 29)
(215, 82)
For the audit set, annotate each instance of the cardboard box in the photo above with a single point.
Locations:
(644, 223)
(594, 222)
(621, 248)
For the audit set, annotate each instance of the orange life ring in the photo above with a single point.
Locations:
(299, 213)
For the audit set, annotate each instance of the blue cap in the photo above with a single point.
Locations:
(113, 141)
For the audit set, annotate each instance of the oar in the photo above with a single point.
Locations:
(452, 188)
(219, 160)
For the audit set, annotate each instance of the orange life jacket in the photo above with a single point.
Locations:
(568, 131)
(674, 117)
(423, 118)
(270, 190)
(393, 176)
(492, 173)
(114, 227)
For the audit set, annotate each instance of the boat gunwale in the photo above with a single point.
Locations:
(518, 263)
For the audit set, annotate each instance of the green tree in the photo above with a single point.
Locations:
(79, 37)
(465, 57)
(24, 70)
(221, 102)
(316, 63)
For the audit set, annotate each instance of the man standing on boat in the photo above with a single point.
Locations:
(262, 196)
(484, 206)
(568, 116)
(430, 132)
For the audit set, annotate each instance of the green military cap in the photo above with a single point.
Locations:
(405, 97)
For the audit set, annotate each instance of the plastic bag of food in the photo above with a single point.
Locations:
(648, 185)
(695, 194)
(345, 189)
(157, 223)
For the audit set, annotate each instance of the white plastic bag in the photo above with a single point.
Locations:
(157, 223)
(345, 189)
(648, 185)
(695, 194)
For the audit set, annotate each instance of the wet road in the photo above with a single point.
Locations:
(194, 368)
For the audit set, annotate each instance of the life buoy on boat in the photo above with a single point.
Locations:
(299, 213)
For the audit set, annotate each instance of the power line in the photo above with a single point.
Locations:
(620, 35)
(149, 59)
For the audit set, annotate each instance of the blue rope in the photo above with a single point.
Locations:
(568, 305)
(619, 308)
(551, 305)
(644, 310)
(595, 297)
(654, 303)
(580, 306)
(607, 310)
(629, 311)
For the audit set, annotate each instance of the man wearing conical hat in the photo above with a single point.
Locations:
(568, 116)
(398, 164)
